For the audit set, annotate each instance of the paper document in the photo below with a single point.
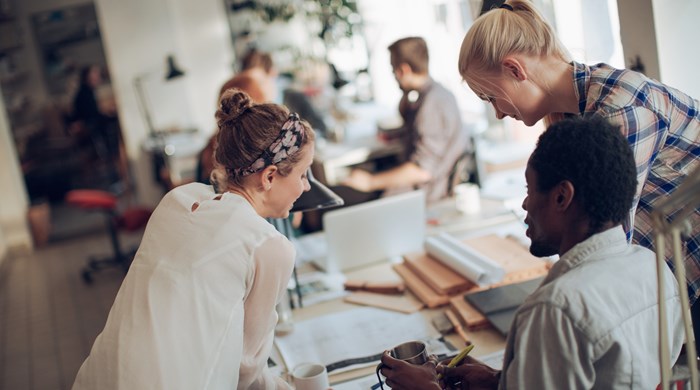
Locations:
(493, 360)
(317, 287)
(354, 338)
(368, 382)
(464, 260)
(310, 247)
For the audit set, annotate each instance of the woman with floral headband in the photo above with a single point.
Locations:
(196, 310)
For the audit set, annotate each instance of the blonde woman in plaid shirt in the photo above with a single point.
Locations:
(511, 58)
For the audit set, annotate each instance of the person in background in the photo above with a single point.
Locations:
(197, 307)
(432, 132)
(99, 124)
(593, 322)
(511, 58)
(257, 79)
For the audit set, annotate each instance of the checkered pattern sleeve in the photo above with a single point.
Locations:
(662, 126)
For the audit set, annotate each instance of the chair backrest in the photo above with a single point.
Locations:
(465, 170)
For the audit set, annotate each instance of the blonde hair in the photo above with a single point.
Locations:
(501, 32)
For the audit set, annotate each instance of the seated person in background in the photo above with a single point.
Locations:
(257, 80)
(593, 323)
(310, 94)
(433, 134)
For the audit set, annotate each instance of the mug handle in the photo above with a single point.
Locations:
(379, 378)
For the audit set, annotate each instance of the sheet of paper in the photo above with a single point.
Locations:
(493, 360)
(354, 338)
(365, 383)
(317, 287)
(310, 247)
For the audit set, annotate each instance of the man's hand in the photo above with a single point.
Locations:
(360, 180)
(470, 374)
(405, 376)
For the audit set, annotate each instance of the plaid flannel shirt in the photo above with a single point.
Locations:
(662, 125)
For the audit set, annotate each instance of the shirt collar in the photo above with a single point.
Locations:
(582, 78)
(605, 244)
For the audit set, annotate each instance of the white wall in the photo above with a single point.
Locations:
(637, 34)
(389, 20)
(677, 26)
(14, 204)
(138, 35)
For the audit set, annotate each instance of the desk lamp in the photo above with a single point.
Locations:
(173, 72)
(317, 198)
(685, 199)
(155, 138)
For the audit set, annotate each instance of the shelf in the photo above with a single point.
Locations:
(8, 49)
(13, 77)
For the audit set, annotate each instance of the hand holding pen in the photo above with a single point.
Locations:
(464, 372)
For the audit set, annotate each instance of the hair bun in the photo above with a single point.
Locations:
(234, 102)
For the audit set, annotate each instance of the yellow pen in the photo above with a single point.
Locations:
(455, 360)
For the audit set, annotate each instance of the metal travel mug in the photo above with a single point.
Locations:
(414, 352)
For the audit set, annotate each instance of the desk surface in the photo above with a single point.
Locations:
(358, 144)
(492, 217)
(486, 341)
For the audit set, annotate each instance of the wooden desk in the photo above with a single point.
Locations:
(487, 341)
(356, 144)
(332, 157)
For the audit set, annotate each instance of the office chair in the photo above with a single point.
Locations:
(465, 170)
(131, 219)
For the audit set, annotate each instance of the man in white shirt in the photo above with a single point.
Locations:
(593, 323)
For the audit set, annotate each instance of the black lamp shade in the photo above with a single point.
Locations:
(318, 197)
(173, 70)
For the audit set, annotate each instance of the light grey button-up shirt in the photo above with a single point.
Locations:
(593, 323)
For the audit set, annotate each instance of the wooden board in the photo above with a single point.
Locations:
(437, 275)
(435, 284)
(401, 303)
(471, 318)
(419, 288)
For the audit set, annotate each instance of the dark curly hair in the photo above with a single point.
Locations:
(596, 158)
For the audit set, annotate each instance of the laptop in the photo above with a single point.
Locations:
(373, 231)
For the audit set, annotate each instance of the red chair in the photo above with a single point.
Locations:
(131, 219)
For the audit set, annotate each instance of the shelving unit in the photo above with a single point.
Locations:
(21, 109)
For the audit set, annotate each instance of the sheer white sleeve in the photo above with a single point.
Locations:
(274, 260)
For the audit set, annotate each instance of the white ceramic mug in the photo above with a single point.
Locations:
(467, 199)
(310, 376)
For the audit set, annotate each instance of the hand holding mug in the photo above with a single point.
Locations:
(407, 366)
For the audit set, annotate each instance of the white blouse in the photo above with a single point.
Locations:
(197, 308)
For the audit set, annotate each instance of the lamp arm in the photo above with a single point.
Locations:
(143, 104)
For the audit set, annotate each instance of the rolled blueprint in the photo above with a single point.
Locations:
(464, 260)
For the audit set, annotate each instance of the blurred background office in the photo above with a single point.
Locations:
(160, 65)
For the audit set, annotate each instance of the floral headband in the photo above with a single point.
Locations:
(287, 143)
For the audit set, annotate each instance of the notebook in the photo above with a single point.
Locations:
(500, 304)
(373, 231)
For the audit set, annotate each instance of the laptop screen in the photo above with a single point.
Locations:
(374, 231)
